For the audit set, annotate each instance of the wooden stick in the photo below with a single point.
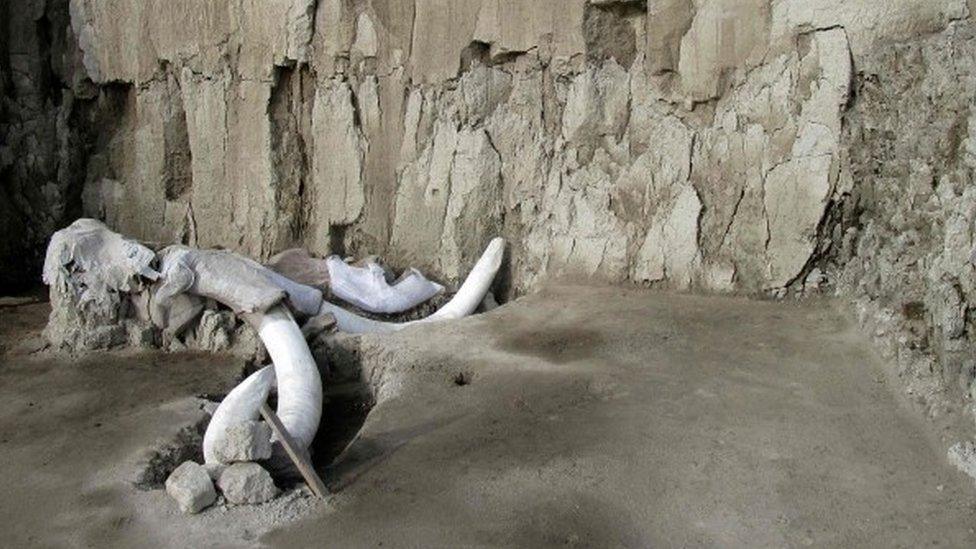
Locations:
(294, 452)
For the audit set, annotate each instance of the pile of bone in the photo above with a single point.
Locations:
(90, 268)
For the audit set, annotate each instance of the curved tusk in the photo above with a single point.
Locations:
(469, 295)
(241, 404)
(299, 383)
(473, 291)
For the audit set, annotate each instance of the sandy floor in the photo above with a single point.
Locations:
(586, 417)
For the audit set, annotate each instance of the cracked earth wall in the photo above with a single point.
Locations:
(748, 146)
(906, 232)
(695, 144)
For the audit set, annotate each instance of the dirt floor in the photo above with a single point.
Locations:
(590, 417)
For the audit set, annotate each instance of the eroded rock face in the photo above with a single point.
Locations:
(43, 96)
(907, 231)
(690, 143)
(719, 145)
(694, 144)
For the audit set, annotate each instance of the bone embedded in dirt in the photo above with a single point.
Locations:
(245, 441)
(191, 487)
(247, 483)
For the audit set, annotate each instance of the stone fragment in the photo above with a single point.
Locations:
(140, 335)
(247, 483)
(247, 441)
(191, 487)
(814, 279)
(213, 333)
(963, 456)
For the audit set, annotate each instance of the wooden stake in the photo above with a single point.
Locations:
(294, 452)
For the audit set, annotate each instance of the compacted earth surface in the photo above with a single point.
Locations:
(577, 416)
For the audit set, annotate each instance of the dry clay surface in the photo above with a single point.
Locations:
(575, 416)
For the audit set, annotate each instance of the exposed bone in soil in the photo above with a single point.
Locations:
(584, 444)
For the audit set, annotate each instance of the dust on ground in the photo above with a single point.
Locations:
(575, 416)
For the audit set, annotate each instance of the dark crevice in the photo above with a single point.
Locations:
(337, 239)
(290, 117)
(344, 410)
(461, 379)
(479, 53)
(178, 161)
(347, 401)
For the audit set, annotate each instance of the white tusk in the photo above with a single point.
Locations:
(256, 291)
(299, 383)
(473, 291)
(241, 404)
(469, 295)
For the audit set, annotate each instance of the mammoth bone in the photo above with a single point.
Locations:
(465, 301)
(257, 293)
(87, 257)
(366, 287)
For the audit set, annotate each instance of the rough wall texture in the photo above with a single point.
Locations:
(718, 145)
(42, 98)
(689, 143)
(908, 228)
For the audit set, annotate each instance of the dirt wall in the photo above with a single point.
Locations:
(751, 146)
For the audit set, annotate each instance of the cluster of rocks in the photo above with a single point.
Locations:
(235, 474)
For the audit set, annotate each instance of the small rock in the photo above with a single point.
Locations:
(247, 441)
(952, 308)
(814, 280)
(191, 487)
(141, 336)
(209, 407)
(247, 483)
(175, 346)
